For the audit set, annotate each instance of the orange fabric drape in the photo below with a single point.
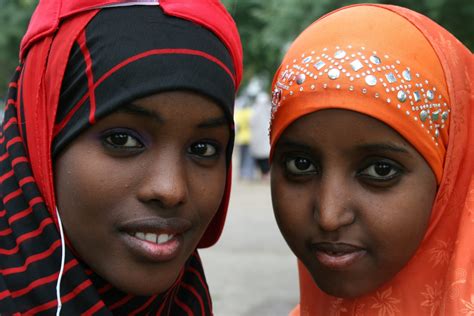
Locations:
(402, 68)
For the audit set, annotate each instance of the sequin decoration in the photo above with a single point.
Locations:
(424, 115)
(371, 80)
(340, 54)
(401, 96)
(387, 80)
(356, 65)
(334, 73)
(319, 65)
(375, 60)
(300, 78)
(430, 95)
(416, 96)
(390, 77)
(406, 75)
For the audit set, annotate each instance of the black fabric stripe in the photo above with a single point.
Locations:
(77, 87)
(120, 38)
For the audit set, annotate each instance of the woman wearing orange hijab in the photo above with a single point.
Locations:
(372, 164)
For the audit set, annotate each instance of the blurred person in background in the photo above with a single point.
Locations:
(259, 144)
(243, 135)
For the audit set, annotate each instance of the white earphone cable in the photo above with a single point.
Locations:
(61, 270)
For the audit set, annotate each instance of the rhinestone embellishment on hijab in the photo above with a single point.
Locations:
(369, 73)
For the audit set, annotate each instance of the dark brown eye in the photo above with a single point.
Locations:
(300, 165)
(203, 149)
(123, 140)
(381, 171)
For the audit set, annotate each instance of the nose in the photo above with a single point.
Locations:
(334, 208)
(164, 182)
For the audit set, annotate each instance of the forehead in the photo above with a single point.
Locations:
(341, 128)
(181, 103)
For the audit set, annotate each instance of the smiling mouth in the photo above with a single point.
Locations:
(155, 239)
(338, 256)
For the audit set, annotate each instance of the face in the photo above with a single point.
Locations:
(138, 189)
(352, 199)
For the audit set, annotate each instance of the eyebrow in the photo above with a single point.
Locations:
(213, 122)
(140, 111)
(384, 147)
(293, 144)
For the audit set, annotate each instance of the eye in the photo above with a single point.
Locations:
(381, 171)
(203, 149)
(123, 140)
(299, 165)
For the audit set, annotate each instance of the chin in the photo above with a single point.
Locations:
(343, 289)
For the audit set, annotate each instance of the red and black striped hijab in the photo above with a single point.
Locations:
(75, 70)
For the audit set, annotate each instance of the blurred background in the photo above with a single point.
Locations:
(251, 271)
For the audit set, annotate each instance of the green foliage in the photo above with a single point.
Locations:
(14, 17)
(267, 27)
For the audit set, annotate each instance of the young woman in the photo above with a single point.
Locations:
(372, 164)
(115, 157)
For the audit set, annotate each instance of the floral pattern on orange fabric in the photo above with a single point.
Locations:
(385, 303)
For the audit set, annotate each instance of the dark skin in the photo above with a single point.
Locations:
(351, 197)
(137, 190)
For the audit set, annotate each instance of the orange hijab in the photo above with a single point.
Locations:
(401, 68)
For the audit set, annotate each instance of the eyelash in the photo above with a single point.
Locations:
(395, 171)
(134, 142)
(368, 173)
(215, 149)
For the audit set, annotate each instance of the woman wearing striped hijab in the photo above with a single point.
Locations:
(115, 157)
(372, 141)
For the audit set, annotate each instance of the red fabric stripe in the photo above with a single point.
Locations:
(32, 259)
(26, 236)
(13, 141)
(170, 51)
(12, 195)
(6, 232)
(19, 160)
(196, 272)
(11, 101)
(5, 155)
(10, 122)
(12, 85)
(90, 76)
(26, 180)
(94, 308)
(2, 139)
(27, 211)
(144, 306)
(64, 299)
(6, 175)
(185, 307)
(44, 280)
(196, 294)
(3, 213)
(104, 289)
(4, 294)
(121, 302)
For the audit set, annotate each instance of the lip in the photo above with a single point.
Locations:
(338, 256)
(151, 251)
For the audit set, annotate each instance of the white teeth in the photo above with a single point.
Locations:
(154, 238)
(150, 237)
(162, 238)
(140, 235)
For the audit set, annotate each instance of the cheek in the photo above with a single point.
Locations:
(292, 209)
